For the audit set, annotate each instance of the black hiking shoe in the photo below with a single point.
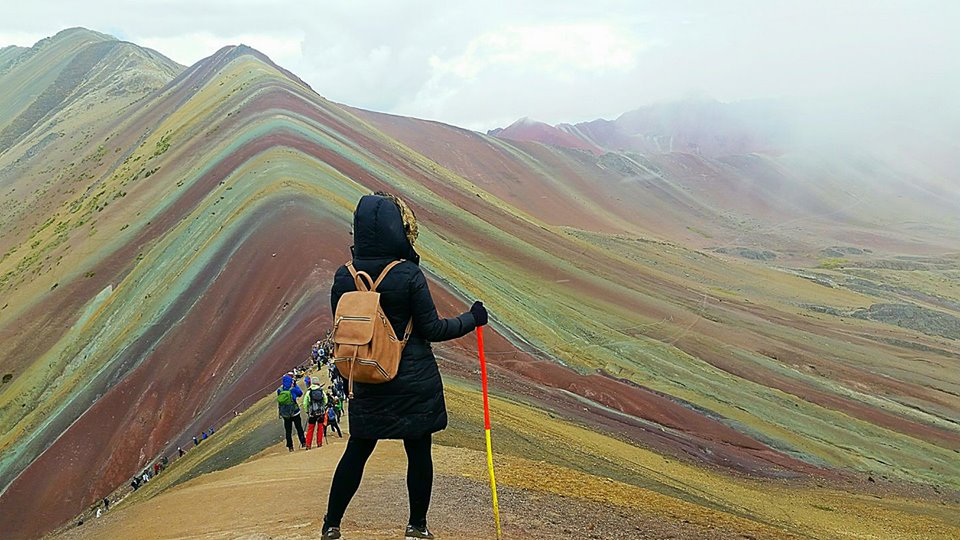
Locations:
(413, 533)
(330, 533)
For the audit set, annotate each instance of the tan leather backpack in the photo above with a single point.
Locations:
(365, 347)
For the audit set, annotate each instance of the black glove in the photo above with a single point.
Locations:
(479, 313)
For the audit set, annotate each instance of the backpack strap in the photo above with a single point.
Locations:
(408, 331)
(353, 362)
(370, 285)
(358, 278)
(389, 267)
(383, 274)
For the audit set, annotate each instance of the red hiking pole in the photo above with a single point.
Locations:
(486, 427)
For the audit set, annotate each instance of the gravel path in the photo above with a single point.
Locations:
(282, 495)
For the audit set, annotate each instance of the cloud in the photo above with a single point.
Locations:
(561, 49)
(189, 48)
(20, 39)
(541, 70)
(477, 63)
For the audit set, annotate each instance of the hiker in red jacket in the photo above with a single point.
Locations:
(314, 401)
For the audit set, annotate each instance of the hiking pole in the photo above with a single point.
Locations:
(486, 426)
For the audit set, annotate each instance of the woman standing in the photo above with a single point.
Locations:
(411, 406)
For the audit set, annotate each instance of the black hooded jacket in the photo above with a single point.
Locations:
(412, 404)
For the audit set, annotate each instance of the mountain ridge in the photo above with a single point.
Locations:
(526, 129)
(703, 127)
(163, 279)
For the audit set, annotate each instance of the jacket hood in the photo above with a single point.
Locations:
(378, 231)
(287, 382)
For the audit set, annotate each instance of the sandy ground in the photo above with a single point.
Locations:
(278, 494)
(556, 480)
(283, 495)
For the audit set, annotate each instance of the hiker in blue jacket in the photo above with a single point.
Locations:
(287, 396)
(333, 421)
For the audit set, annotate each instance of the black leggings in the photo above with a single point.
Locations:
(350, 471)
(333, 426)
(288, 423)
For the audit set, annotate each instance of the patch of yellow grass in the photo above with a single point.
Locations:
(766, 508)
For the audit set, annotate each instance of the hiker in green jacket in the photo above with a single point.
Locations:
(338, 405)
(287, 396)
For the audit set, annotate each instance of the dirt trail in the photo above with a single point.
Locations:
(553, 484)
(282, 495)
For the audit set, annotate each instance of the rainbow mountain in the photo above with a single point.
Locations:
(169, 236)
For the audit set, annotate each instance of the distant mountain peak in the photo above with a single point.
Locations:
(75, 67)
(527, 121)
(229, 53)
(75, 34)
(696, 126)
(530, 130)
(81, 31)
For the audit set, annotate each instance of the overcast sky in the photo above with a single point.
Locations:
(484, 64)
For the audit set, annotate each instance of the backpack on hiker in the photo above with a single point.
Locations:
(317, 402)
(365, 347)
(331, 416)
(287, 403)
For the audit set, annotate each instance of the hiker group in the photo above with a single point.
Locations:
(197, 439)
(321, 356)
(149, 473)
(324, 408)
